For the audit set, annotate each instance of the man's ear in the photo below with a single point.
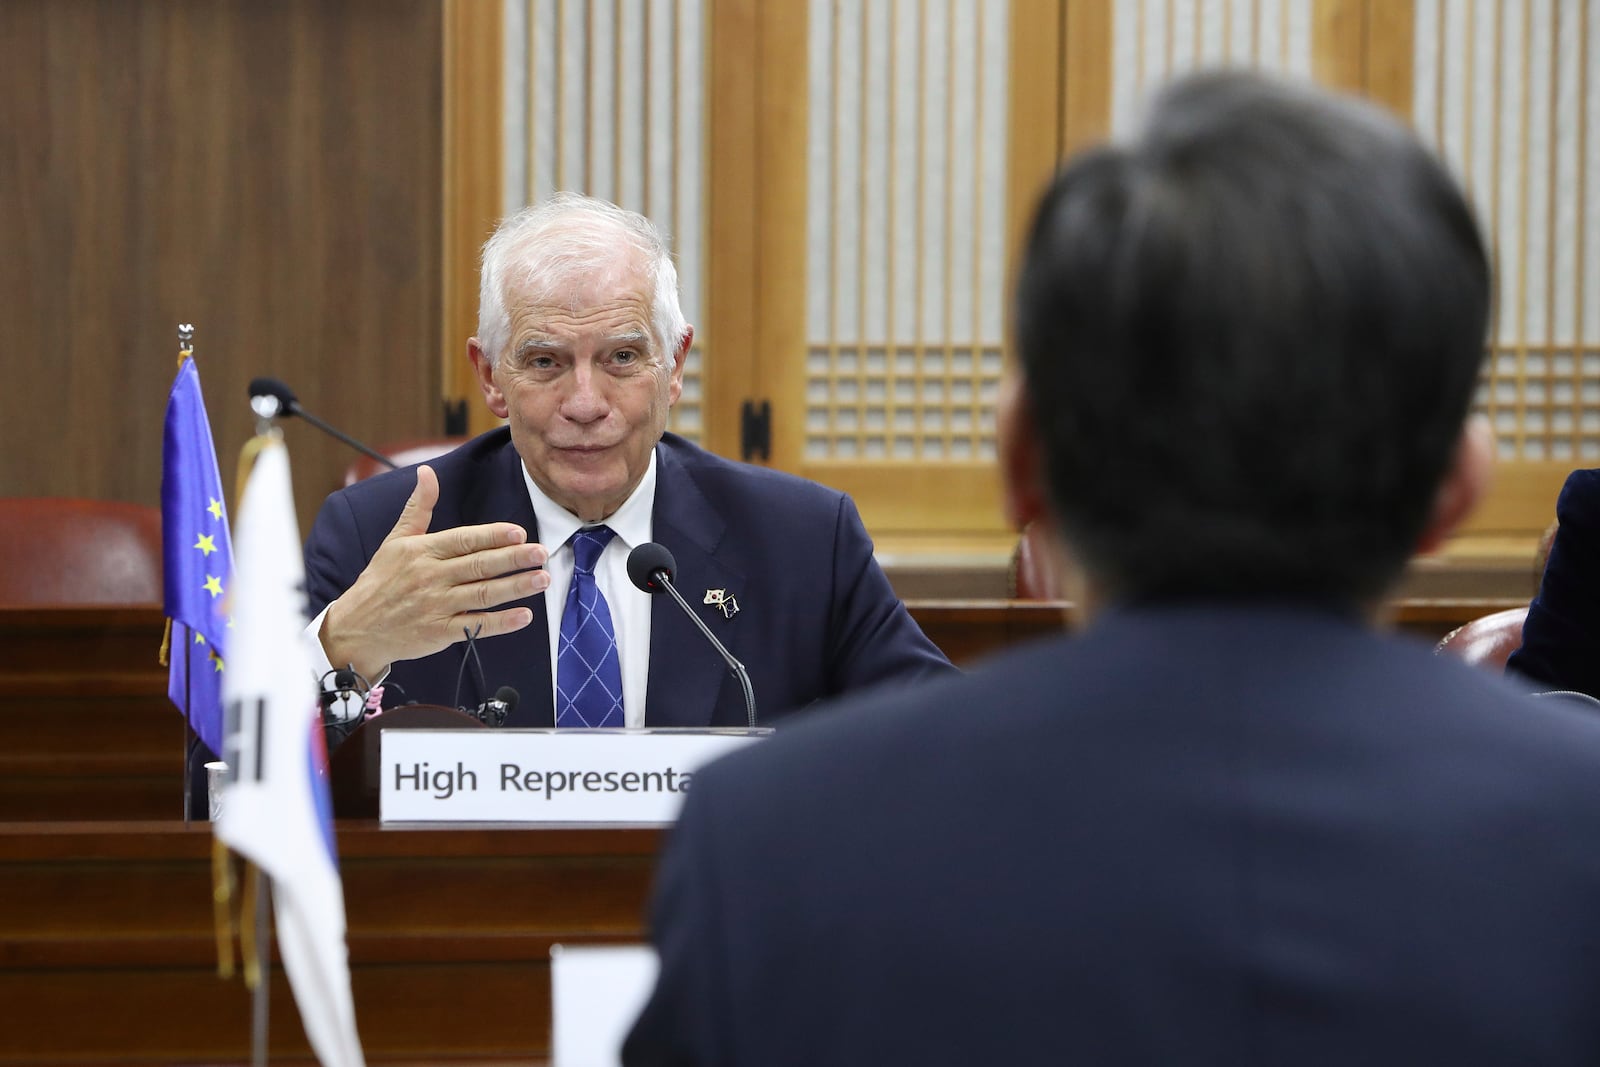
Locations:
(1464, 485)
(1022, 472)
(679, 357)
(484, 370)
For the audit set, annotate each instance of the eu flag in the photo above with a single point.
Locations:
(198, 558)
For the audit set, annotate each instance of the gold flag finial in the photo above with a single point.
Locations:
(185, 341)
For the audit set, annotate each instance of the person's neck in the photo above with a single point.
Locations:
(1091, 599)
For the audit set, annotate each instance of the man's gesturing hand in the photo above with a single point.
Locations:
(422, 588)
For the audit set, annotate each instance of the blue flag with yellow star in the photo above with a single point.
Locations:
(198, 558)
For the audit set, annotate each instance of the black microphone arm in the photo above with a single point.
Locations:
(651, 567)
(269, 398)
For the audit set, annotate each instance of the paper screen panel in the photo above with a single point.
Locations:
(1505, 93)
(1156, 41)
(905, 229)
(607, 97)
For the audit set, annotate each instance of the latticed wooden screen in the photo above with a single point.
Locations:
(905, 229)
(1505, 92)
(873, 158)
(607, 97)
(1158, 40)
(1502, 89)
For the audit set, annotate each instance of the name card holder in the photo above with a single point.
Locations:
(547, 777)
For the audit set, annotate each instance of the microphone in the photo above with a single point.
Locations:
(270, 398)
(345, 679)
(651, 567)
(493, 712)
(347, 686)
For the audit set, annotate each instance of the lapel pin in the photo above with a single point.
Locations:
(723, 599)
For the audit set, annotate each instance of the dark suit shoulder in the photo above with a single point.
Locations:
(1584, 479)
(723, 479)
(461, 474)
(1189, 680)
(1579, 500)
(1298, 839)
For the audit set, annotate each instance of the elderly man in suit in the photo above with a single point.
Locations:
(520, 537)
(1229, 822)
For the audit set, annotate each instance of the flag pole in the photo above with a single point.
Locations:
(186, 351)
(260, 1001)
(260, 885)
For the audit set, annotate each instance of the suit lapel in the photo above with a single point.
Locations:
(521, 659)
(688, 680)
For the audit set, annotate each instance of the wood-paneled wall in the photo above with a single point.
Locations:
(269, 170)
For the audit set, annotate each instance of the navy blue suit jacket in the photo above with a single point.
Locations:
(1213, 835)
(1561, 639)
(816, 617)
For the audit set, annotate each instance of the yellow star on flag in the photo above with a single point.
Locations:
(199, 638)
(218, 661)
(207, 544)
(215, 507)
(213, 586)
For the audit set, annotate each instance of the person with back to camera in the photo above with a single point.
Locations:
(1230, 822)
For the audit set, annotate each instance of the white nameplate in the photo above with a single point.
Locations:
(633, 777)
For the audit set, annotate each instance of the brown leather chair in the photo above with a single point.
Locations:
(1488, 641)
(404, 453)
(65, 551)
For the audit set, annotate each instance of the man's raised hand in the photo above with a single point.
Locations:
(422, 589)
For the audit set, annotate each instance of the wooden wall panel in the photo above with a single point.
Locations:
(1391, 30)
(471, 201)
(734, 139)
(1339, 44)
(86, 730)
(1085, 49)
(269, 171)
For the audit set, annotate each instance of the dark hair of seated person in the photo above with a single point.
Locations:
(1261, 394)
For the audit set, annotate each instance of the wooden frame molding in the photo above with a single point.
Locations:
(1043, 66)
(471, 107)
(733, 134)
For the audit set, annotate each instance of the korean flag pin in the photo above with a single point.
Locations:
(723, 599)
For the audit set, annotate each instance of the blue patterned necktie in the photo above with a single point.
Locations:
(588, 669)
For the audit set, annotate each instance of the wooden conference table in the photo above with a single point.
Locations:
(86, 731)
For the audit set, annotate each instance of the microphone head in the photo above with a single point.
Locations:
(270, 397)
(344, 679)
(648, 560)
(507, 696)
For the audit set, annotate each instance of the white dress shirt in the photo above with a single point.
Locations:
(630, 606)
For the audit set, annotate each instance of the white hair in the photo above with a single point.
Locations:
(568, 234)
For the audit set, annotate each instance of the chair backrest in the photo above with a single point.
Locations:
(1487, 641)
(64, 551)
(404, 453)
